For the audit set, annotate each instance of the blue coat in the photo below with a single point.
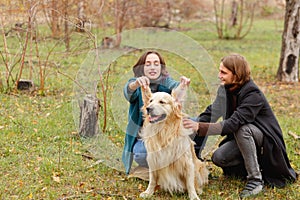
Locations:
(135, 116)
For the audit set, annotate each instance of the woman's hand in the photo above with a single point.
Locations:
(142, 81)
(190, 124)
(185, 81)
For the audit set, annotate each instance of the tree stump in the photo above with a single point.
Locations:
(24, 84)
(88, 122)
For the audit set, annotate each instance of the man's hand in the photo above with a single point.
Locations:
(190, 124)
(203, 128)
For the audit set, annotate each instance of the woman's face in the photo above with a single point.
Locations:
(225, 75)
(152, 67)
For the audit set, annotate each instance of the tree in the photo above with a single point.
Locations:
(234, 19)
(67, 32)
(55, 18)
(121, 10)
(289, 59)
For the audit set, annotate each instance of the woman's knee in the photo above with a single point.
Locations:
(141, 159)
(140, 154)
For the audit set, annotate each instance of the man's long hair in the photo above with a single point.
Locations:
(239, 66)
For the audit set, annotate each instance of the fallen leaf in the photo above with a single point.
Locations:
(56, 179)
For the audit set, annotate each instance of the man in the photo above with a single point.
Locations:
(254, 145)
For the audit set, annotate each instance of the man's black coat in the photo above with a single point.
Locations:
(245, 105)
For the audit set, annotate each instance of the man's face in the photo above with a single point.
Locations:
(225, 75)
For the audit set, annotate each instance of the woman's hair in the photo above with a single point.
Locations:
(138, 68)
(239, 66)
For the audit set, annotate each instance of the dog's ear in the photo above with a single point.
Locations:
(179, 93)
(146, 94)
(177, 108)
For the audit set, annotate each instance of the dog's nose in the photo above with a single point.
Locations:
(149, 109)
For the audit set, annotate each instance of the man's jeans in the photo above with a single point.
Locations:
(242, 150)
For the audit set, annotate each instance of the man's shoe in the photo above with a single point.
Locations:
(252, 188)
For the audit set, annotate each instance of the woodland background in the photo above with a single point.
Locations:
(44, 43)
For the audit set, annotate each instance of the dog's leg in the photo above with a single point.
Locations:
(151, 186)
(190, 181)
(146, 95)
(198, 182)
(201, 173)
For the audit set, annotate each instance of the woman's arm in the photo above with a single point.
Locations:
(128, 92)
(132, 85)
(142, 81)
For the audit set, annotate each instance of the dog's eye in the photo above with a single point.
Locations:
(151, 100)
(162, 102)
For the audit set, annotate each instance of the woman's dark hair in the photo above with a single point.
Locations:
(138, 68)
(239, 66)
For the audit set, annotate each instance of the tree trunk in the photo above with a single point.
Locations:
(89, 110)
(54, 18)
(118, 23)
(289, 59)
(240, 20)
(234, 13)
(81, 17)
(67, 34)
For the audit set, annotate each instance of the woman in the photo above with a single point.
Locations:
(254, 147)
(150, 70)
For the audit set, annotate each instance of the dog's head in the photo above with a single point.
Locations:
(160, 106)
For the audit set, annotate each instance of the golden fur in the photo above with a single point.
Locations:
(172, 161)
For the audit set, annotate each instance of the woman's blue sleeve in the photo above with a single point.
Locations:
(129, 94)
(170, 83)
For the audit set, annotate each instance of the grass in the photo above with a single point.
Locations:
(42, 156)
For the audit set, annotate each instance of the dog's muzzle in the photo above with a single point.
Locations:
(154, 118)
(149, 110)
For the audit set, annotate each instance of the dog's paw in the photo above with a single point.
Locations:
(145, 195)
(194, 198)
(199, 190)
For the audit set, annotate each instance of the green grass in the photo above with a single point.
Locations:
(42, 156)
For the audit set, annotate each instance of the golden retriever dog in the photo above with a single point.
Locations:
(173, 165)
